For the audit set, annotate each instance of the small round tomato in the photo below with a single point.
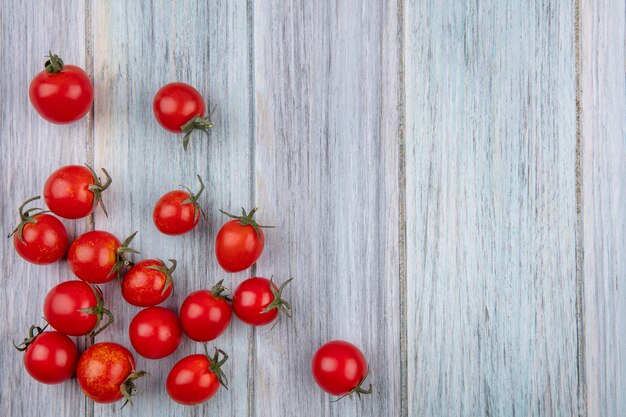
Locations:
(74, 191)
(155, 332)
(106, 373)
(98, 257)
(196, 378)
(257, 301)
(148, 282)
(76, 308)
(49, 357)
(39, 238)
(178, 211)
(239, 242)
(179, 108)
(340, 368)
(61, 93)
(205, 314)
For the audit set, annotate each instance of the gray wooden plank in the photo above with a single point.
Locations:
(138, 48)
(326, 173)
(30, 149)
(491, 208)
(603, 130)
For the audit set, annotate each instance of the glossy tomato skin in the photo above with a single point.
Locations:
(93, 255)
(155, 332)
(64, 97)
(338, 367)
(143, 287)
(204, 316)
(175, 104)
(45, 242)
(191, 382)
(67, 192)
(102, 369)
(60, 308)
(251, 297)
(51, 358)
(172, 217)
(238, 247)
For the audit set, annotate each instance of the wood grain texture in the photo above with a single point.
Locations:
(30, 149)
(326, 174)
(603, 139)
(491, 208)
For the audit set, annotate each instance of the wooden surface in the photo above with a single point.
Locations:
(447, 185)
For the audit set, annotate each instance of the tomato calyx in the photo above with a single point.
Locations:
(26, 217)
(99, 310)
(358, 390)
(247, 219)
(165, 270)
(128, 387)
(215, 364)
(196, 123)
(279, 303)
(218, 289)
(97, 188)
(33, 332)
(53, 64)
(193, 198)
(120, 259)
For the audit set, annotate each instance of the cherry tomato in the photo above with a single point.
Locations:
(178, 211)
(155, 332)
(106, 373)
(49, 357)
(196, 378)
(257, 301)
(98, 257)
(39, 238)
(205, 315)
(239, 242)
(148, 282)
(74, 191)
(76, 308)
(179, 108)
(61, 93)
(340, 368)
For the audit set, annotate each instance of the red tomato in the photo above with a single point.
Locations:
(205, 314)
(239, 242)
(74, 191)
(178, 211)
(106, 373)
(179, 108)
(148, 282)
(97, 257)
(340, 368)
(155, 332)
(196, 378)
(61, 93)
(76, 308)
(39, 238)
(50, 357)
(257, 301)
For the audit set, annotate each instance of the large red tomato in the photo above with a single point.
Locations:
(205, 315)
(196, 378)
(76, 308)
(74, 191)
(340, 368)
(49, 357)
(61, 93)
(178, 211)
(179, 108)
(106, 373)
(148, 282)
(39, 238)
(239, 242)
(155, 332)
(98, 257)
(257, 301)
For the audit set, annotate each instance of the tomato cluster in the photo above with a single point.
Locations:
(106, 372)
